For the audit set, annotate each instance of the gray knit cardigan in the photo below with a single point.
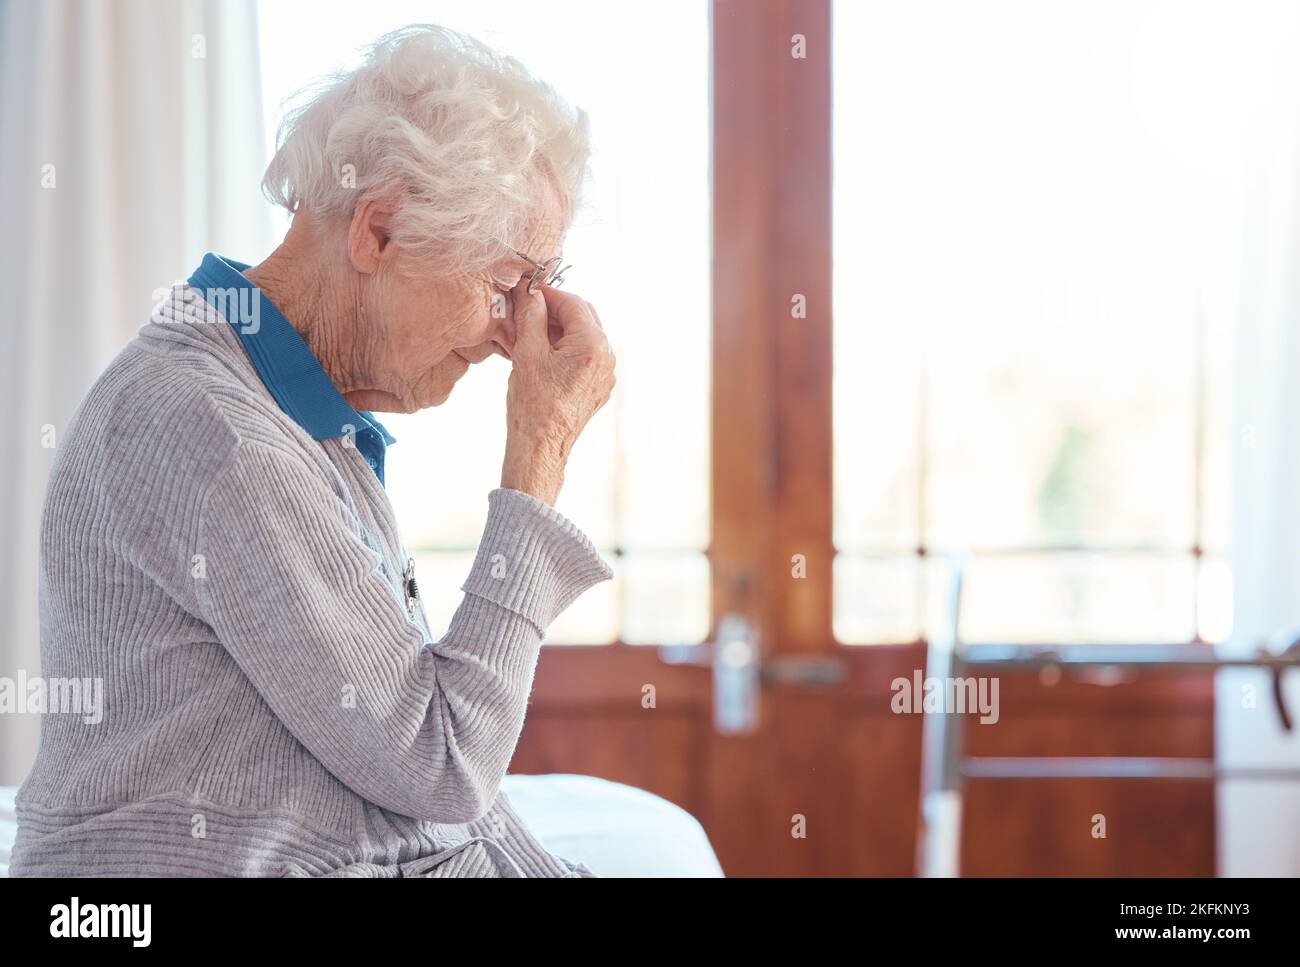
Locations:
(270, 705)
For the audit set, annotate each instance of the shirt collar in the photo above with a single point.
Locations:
(292, 375)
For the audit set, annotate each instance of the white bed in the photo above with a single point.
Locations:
(8, 827)
(615, 829)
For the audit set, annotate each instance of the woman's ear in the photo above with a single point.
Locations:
(369, 236)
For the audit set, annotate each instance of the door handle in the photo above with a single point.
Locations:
(739, 672)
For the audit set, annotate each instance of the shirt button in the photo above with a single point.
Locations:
(371, 461)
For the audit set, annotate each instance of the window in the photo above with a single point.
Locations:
(648, 205)
(1034, 242)
(1035, 269)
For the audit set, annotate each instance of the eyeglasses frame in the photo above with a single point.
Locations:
(555, 276)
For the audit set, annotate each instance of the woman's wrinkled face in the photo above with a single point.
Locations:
(428, 328)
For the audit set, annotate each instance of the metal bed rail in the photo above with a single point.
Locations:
(944, 768)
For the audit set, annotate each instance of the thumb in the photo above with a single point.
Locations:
(530, 320)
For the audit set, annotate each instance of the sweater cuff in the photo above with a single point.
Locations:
(532, 559)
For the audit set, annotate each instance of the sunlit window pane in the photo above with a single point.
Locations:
(1108, 598)
(439, 577)
(638, 478)
(877, 414)
(1214, 620)
(666, 598)
(877, 599)
(1064, 429)
(1035, 281)
(1221, 438)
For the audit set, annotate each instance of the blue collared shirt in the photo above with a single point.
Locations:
(292, 375)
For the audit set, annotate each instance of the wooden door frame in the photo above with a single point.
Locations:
(771, 399)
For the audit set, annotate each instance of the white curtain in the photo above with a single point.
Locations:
(133, 141)
(1259, 821)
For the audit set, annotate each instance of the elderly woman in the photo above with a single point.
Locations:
(217, 545)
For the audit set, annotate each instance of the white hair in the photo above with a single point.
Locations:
(462, 141)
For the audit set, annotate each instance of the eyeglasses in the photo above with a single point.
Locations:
(551, 272)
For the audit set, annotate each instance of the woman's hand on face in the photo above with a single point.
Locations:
(562, 373)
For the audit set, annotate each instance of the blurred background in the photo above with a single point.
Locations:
(898, 290)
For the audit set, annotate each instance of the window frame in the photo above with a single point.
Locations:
(772, 429)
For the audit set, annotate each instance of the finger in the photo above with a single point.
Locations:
(530, 320)
(503, 339)
(506, 334)
(570, 312)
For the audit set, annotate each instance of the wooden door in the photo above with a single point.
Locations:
(827, 782)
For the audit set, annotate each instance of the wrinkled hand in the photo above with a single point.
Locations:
(562, 373)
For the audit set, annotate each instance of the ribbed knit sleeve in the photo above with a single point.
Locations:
(532, 560)
(302, 603)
